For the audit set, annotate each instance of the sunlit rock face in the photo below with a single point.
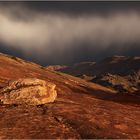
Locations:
(28, 91)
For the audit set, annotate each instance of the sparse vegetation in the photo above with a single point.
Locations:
(16, 59)
(42, 67)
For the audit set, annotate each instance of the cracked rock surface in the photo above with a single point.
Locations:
(31, 91)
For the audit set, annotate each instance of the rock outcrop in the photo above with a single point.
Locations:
(28, 91)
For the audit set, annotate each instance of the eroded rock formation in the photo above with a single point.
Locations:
(28, 91)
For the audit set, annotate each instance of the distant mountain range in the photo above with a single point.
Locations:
(121, 73)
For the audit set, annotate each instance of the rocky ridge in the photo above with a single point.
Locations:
(122, 73)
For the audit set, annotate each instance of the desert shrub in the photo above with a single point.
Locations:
(16, 59)
(42, 67)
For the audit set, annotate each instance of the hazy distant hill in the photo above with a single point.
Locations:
(118, 72)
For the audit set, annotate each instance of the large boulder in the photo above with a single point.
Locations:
(28, 91)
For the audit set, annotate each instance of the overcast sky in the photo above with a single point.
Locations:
(69, 32)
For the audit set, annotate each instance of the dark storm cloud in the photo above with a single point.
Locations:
(68, 32)
(75, 7)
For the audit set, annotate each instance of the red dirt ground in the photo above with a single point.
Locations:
(81, 110)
